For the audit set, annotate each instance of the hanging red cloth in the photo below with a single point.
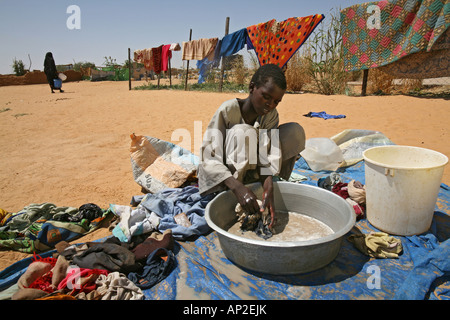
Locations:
(166, 54)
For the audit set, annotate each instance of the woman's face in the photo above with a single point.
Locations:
(266, 97)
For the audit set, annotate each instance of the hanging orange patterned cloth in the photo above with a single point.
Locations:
(276, 42)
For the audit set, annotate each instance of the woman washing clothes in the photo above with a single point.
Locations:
(244, 143)
(50, 71)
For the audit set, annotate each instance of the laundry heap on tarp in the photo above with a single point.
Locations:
(407, 38)
(38, 227)
(273, 41)
(106, 270)
(162, 248)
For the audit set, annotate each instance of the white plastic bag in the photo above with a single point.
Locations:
(322, 154)
(62, 76)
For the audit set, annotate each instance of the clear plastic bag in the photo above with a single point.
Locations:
(322, 154)
(353, 142)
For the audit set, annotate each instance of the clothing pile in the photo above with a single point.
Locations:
(181, 210)
(108, 270)
(353, 192)
(38, 227)
(137, 256)
(374, 244)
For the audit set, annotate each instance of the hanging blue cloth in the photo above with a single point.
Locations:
(205, 65)
(233, 42)
(229, 45)
(249, 43)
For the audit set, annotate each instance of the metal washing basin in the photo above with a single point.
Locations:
(287, 257)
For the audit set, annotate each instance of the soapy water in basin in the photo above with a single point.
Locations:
(290, 226)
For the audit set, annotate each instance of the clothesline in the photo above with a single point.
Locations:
(273, 42)
(157, 58)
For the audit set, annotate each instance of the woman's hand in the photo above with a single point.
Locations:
(267, 200)
(244, 195)
(247, 199)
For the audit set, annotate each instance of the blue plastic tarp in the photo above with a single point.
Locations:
(203, 272)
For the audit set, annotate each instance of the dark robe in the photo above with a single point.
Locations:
(50, 68)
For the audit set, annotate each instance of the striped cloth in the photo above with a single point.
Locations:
(375, 34)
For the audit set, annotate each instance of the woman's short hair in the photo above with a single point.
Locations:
(269, 71)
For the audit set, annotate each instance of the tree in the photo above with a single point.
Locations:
(110, 62)
(78, 65)
(18, 67)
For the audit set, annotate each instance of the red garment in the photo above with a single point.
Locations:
(81, 280)
(277, 42)
(341, 189)
(44, 283)
(166, 54)
(156, 56)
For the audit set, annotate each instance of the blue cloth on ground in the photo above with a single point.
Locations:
(324, 115)
(170, 202)
(155, 269)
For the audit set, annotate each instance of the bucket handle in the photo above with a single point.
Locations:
(389, 171)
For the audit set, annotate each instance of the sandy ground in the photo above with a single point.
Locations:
(72, 148)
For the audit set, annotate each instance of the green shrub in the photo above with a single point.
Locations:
(18, 67)
(326, 63)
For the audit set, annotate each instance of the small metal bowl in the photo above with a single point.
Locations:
(287, 257)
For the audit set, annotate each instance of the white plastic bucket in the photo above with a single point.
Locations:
(402, 185)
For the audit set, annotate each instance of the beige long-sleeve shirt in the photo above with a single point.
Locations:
(213, 172)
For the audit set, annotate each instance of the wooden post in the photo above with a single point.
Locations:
(227, 24)
(364, 83)
(129, 70)
(187, 68)
(170, 73)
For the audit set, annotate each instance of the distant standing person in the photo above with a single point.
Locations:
(50, 71)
